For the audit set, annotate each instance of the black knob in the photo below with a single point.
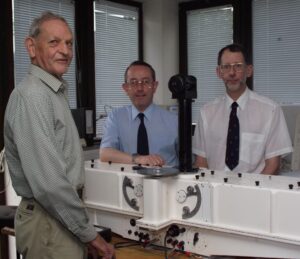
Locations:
(291, 186)
(196, 238)
(197, 176)
(129, 232)
(239, 175)
(173, 231)
(257, 183)
(132, 222)
(225, 180)
(202, 174)
(182, 230)
(212, 172)
(122, 169)
(136, 233)
(109, 162)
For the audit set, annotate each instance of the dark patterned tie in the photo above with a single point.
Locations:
(142, 139)
(233, 139)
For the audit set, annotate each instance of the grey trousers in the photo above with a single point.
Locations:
(39, 236)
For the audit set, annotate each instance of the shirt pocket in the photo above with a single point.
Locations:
(252, 148)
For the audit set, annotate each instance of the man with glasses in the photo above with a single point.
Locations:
(140, 133)
(241, 131)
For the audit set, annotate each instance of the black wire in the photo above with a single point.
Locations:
(165, 245)
(127, 244)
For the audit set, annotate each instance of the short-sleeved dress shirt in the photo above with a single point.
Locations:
(263, 132)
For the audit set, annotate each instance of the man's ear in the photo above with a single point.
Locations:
(30, 46)
(218, 72)
(155, 85)
(249, 71)
(125, 87)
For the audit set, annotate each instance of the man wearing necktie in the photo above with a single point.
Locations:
(140, 133)
(240, 131)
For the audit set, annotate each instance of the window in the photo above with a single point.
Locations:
(24, 12)
(116, 46)
(276, 37)
(208, 30)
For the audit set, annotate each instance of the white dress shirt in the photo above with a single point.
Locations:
(263, 132)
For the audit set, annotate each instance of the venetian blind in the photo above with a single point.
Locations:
(208, 30)
(24, 12)
(116, 46)
(276, 45)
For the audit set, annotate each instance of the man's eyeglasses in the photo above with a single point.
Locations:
(237, 67)
(144, 82)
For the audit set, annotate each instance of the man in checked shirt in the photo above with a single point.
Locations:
(44, 154)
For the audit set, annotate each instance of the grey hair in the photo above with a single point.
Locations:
(35, 30)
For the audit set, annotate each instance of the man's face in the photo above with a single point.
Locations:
(140, 86)
(234, 71)
(52, 49)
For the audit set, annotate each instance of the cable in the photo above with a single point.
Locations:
(165, 244)
(127, 244)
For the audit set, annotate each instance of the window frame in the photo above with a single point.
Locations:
(242, 27)
(86, 88)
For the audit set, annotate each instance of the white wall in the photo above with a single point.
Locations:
(161, 47)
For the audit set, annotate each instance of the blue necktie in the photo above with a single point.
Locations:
(233, 139)
(142, 138)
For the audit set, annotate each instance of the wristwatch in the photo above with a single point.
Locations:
(133, 158)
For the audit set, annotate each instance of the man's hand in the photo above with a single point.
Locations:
(151, 160)
(200, 162)
(272, 165)
(100, 246)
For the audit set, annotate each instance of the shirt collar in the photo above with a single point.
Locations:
(148, 112)
(51, 81)
(241, 101)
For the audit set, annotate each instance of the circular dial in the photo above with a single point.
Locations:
(181, 196)
(138, 190)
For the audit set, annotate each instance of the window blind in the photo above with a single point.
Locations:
(208, 30)
(24, 12)
(276, 45)
(116, 46)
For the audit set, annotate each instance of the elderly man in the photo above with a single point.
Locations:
(44, 154)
